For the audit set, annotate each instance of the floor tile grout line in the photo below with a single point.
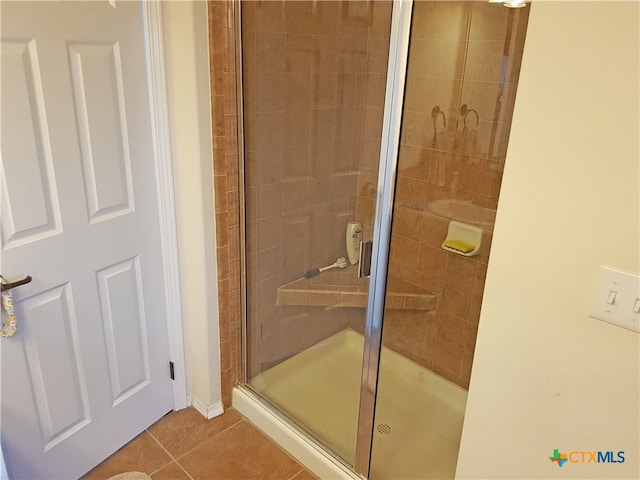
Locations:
(208, 439)
(173, 459)
(177, 460)
(302, 469)
(240, 420)
(184, 470)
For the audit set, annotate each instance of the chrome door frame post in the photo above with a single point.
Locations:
(396, 78)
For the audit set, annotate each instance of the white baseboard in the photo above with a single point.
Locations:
(208, 411)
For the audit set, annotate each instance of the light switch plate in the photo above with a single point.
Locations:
(624, 289)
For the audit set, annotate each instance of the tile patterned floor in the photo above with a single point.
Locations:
(185, 446)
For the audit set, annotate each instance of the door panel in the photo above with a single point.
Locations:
(88, 368)
(30, 210)
(102, 128)
(56, 375)
(124, 326)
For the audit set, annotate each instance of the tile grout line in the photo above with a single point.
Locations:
(184, 470)
(203, 442)
(302, 467)
(297, 473)
(173, 459)
(177, 461)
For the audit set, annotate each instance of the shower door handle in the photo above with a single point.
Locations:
(364, 259)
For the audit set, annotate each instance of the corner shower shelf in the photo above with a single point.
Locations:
(343, 288)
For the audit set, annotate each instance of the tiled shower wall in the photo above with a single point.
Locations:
(299, 83)
(225, 163)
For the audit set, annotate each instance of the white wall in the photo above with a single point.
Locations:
(185, 26)
(546, 376)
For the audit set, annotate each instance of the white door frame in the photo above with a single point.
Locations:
(154, 48)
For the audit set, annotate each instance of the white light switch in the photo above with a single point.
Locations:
(616, 298)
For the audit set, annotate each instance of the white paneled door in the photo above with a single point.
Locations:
(88, 368)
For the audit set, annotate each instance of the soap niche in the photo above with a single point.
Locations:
(463, 239)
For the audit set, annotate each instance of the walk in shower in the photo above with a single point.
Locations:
(394, 117)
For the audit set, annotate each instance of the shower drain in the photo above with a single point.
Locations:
(383, 429)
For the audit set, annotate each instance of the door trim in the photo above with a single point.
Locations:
(154, 48)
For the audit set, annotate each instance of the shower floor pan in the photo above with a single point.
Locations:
(418, 418)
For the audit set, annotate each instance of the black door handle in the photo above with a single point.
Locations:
(9, 285)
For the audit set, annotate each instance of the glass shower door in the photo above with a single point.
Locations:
(412, 160)
(462, 72)
(313, 88)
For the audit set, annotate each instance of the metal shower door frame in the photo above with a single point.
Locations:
(385, 193)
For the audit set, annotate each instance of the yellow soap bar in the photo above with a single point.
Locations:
(459, 245)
